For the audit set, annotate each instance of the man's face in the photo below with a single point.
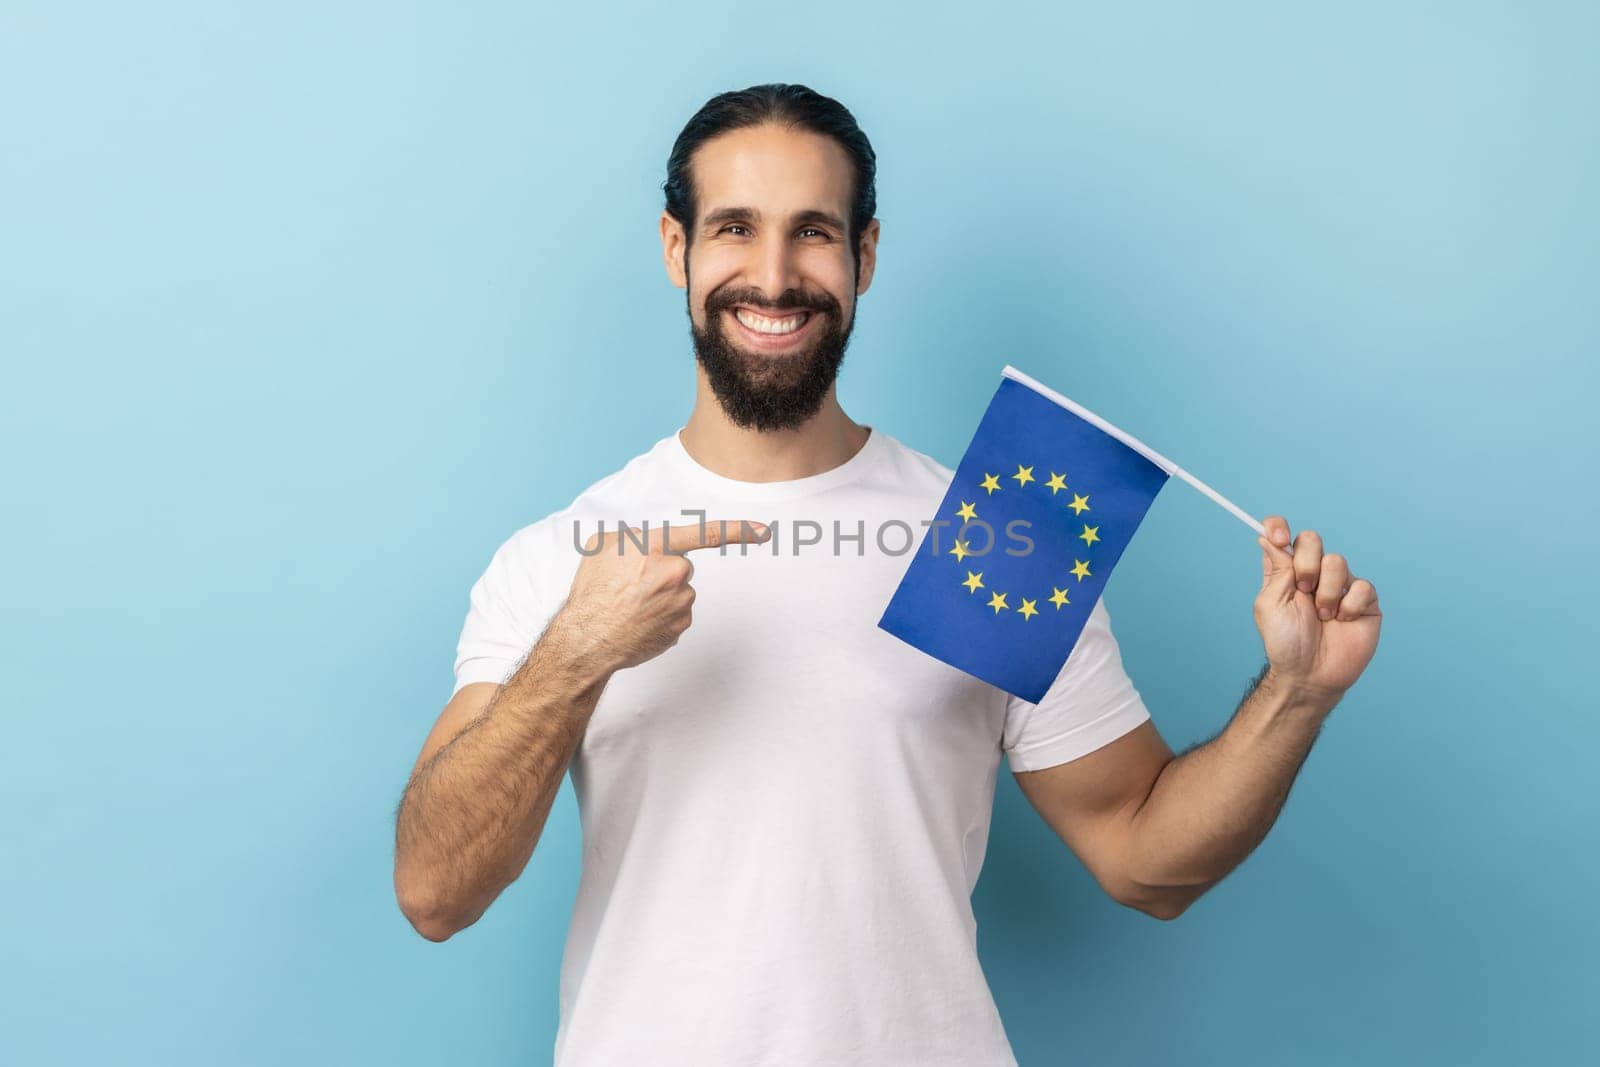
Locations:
(770, 273)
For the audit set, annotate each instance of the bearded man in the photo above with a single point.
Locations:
(784, 808)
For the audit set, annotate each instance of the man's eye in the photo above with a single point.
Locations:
(813, 229)
(731, 226)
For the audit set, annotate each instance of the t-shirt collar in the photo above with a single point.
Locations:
(850, 470)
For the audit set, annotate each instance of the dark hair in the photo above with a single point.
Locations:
(791, 105)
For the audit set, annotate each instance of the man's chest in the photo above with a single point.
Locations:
(784, 651)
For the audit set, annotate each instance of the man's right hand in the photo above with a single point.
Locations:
(498, 745)
(631, 605)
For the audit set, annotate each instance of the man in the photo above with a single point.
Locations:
(784, 808)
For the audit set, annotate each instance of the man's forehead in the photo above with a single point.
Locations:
(776, 171)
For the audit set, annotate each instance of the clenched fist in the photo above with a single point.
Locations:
(1318, 621)
(631, 605)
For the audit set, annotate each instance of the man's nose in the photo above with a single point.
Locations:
(775, 270)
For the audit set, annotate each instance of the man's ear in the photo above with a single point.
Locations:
(673, 246)
(869, 256)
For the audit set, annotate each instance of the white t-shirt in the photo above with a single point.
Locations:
(785, 813)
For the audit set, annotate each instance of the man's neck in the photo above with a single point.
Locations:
(821, 443)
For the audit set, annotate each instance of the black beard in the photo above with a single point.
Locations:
(771, 391)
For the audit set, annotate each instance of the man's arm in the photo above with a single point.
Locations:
(1090, 802)
(1210, 807)
(489, 772)
(485, 782)
(1157, 831)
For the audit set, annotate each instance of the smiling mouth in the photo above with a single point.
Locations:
(772, 328)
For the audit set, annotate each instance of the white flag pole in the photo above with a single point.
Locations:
(1137, 445)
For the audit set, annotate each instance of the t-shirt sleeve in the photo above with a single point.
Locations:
(1091, 703)
(507, 609)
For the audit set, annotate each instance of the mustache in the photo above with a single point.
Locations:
(791, 300)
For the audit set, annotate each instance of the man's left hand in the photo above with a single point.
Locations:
(1319, 623)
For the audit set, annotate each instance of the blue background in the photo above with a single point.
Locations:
(304, 308)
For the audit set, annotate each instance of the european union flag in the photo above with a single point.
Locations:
(1040, 509)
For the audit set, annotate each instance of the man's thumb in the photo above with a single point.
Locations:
(1277, 565)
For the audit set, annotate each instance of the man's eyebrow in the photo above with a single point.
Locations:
(811, 216)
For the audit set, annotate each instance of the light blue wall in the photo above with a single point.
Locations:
(305, 307)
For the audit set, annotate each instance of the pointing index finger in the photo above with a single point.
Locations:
(714, 533)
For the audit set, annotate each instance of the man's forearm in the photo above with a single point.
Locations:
(1211, 806)
(471, 816)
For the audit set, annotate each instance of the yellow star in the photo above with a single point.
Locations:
(1057, 481)
(1079, 504)
(1027, 609)
(967, 511)
(974, 582)
(1058, 597)
(990, 482)
(1081, 570)
(961, 551)
(1024, 475)
(1090, 534)
(997, 601)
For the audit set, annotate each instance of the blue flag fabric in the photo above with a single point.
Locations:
(1039, 511)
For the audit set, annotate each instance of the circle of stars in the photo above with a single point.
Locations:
(1079, 504)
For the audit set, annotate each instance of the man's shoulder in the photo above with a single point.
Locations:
(914, 465)
(607, 495)
(905, 477)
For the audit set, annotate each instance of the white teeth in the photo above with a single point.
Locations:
(762, 324)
